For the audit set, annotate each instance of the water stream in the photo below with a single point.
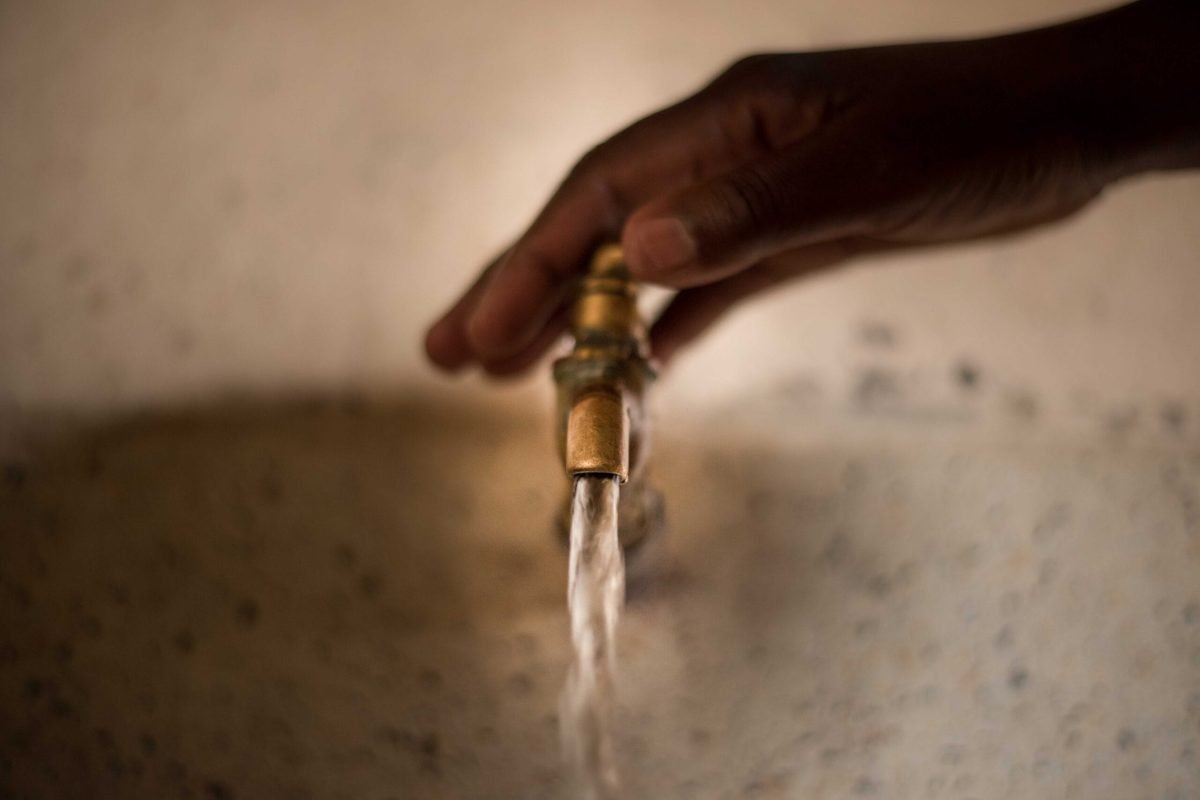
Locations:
(595, 592)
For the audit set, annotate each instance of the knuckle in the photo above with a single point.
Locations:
(742, 72)
(752, 199)
(590, 162)
(750, 66)
(537, 261)
(599, 159)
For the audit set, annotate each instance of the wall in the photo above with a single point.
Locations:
(205, 199)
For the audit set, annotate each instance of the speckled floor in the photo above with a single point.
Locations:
(338, 601)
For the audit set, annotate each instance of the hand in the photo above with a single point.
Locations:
(789, 164)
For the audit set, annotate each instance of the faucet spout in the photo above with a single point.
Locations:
(602, 421)
(597, 436)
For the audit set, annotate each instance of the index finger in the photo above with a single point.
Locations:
(660, 153)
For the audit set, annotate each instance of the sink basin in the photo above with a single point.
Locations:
(328, 600)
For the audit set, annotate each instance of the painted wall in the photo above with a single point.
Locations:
(230, 197)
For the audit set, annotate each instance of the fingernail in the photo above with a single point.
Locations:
(666, 245)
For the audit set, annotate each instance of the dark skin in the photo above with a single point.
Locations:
(788, 164)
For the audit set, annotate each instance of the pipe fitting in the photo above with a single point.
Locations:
(602, 423)
(597, 436)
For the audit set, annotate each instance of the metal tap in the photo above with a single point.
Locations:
(603, 425)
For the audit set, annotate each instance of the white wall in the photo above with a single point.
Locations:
(205, 198)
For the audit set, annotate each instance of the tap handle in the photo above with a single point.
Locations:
(606, 313)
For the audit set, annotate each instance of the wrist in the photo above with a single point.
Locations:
(1131, 87)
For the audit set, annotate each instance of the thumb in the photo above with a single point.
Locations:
(711, 230)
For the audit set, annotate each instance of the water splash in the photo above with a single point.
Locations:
(595, 592)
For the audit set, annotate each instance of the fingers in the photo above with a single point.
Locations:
(693, 311)
(508, 312)
(532, 281)
(821, 189)
(534, 351)
(589, 207)
(446, 341)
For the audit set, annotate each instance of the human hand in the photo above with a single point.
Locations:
(792, 163)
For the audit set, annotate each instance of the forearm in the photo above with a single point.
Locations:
(1134, 85)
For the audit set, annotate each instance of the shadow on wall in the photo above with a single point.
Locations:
(328, 599)
(269, 597)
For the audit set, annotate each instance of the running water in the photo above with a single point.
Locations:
(595, 592)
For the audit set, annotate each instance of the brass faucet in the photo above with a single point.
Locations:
(603, 424)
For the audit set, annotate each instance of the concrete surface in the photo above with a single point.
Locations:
(338, 601)
(939, 537)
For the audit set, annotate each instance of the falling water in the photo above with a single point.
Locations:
(595, 591)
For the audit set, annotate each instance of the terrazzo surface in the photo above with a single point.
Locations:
(345, 601)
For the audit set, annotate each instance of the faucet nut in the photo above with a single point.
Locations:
(597, 438)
